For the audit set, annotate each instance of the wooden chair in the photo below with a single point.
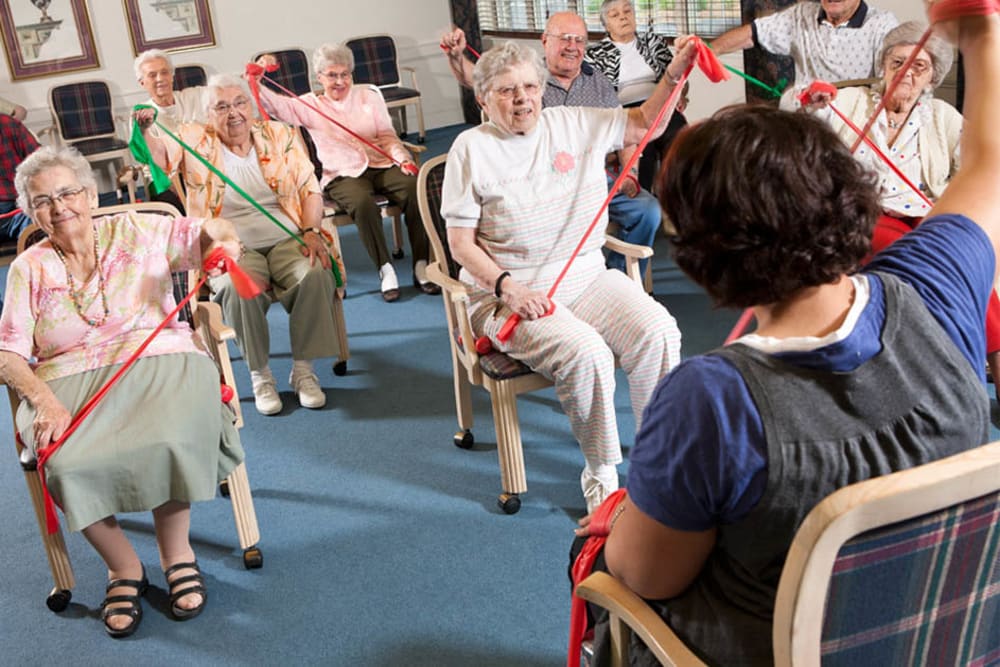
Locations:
(503, 377)
(901, 569)
(375, 62)
(208, 323)
(83, 117)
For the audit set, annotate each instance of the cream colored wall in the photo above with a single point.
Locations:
(246, 27)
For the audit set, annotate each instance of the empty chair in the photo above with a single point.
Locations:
(189, 76)
(375, 62)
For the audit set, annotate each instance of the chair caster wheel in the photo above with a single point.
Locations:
(464, 439)
(397, 254)
(58, 600)
(421, 140)
(509, 503)
(224, 488)
(253, 559)
(340, 368)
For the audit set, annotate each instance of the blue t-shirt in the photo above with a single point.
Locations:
(700, 459)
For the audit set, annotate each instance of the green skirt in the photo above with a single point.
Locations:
(161, 433)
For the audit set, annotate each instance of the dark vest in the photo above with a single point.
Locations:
(915, 401)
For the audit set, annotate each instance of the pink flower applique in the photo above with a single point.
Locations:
(564, 162)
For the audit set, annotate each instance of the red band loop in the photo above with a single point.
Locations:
(817, 88)
(955, 9)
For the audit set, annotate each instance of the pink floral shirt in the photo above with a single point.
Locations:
(137, 253)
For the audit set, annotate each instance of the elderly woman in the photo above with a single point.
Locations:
(634, 63)
(918, 132)
(353, 172)
(77, 306)
(267, 161)
(848, 375)
(519, 193)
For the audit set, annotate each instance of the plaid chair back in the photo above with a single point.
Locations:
(920, 592)
(375, 60)
(435, 182)
(188, 76)
(293, 71)
(83, 110)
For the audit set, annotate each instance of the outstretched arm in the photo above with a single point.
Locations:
(736, 39)
(453, 43)
(642, 117)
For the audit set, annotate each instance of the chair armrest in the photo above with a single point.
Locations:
(210, 315)
(626, 248)
(605, 591)
(456, 289)
(413, 77)
(56, 140)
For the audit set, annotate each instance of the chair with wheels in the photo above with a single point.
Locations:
(500, 375)
(375, 62)
(901, 569)
(83, 117)
(207, 322)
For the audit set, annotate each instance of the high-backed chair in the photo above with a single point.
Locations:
(207, 321)
(189, 76)
(292, 73)
(375, 62)
(902, 569)
(83, 117)
(502, 376)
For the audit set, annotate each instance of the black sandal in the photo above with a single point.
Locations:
(133, 609)
(179, 590)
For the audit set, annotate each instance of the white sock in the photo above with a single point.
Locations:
(259, 377)
(300, 367)
(420, 270)
(388, 277)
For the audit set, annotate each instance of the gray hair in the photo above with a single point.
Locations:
(146, 56)
(909, 34)
(217, 82)
(500, 59)
(328, 55)
(46, 158)
(606, 7)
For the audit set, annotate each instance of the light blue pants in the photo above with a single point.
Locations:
(638, 219)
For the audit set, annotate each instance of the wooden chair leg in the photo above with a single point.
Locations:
(508, 429)
(463, 394)
(397, 235)
(55, 548)
(340, 367)
(245, 515)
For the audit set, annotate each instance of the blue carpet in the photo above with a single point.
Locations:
(382, 542)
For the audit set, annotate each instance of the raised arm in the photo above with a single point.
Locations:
(642, 117)
(973, 189)
(737, 39)
(454, 45)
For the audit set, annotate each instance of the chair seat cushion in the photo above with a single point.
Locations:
(397, 93)
(497, 365)
(99, 145)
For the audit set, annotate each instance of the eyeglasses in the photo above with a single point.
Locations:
(335, 76)
(569, 38)
(918, 67)
(66, 197)
(507, 92)
(223, 109)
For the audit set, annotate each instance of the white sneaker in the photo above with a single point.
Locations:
(597, 484)
(265, 392)
(305, 383)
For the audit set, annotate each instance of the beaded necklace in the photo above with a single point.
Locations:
(75, 296)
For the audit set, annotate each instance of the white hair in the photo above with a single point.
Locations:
(48, 157)
(146, 56)
(327, 55)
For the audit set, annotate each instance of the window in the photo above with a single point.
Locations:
(705, 18)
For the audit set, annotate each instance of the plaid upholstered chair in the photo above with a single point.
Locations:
(293, 71)
(375, 62)
(503, 377)
(189, 76)
(83, 117)
(897, 570)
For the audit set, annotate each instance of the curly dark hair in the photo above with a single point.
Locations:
(765, 203)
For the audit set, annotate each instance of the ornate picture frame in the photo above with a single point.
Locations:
(47, 37)
(171, 25)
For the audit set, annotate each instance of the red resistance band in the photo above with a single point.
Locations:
(245, 287)
(254, 71)
(600, 527)
(954, 9)
(10, 214)
(713, 69)
(467, 46)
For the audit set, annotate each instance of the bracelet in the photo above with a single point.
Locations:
(614, 517)
(671, 78)
(496, 285)
(315, 230)
(630, 176)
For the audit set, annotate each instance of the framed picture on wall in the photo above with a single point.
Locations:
(46, 37)
(171, 25)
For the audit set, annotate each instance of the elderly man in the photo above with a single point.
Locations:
(16, 143)
(573, 82)
(829, 40)
(267, 160)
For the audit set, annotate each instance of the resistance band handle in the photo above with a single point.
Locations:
(954, 9)
(817, 88)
